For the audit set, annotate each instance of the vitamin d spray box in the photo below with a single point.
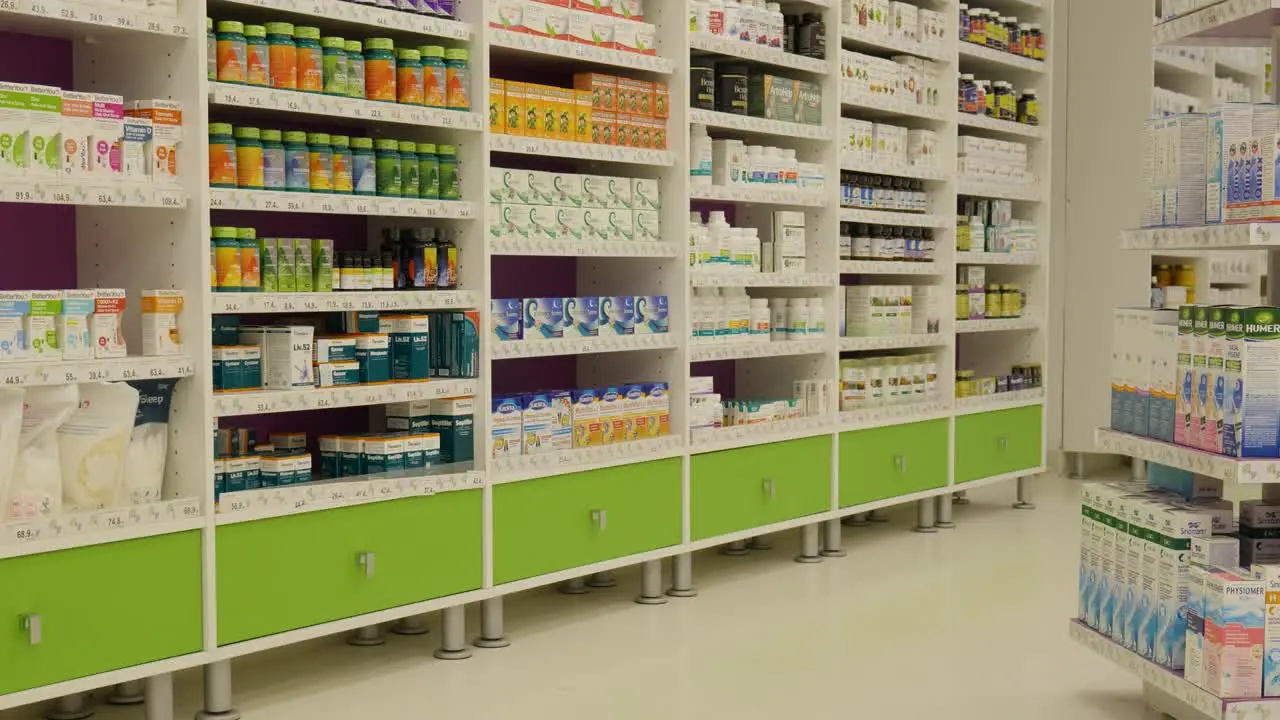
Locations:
(1252, 427)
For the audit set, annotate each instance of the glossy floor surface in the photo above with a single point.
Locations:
(964, 624)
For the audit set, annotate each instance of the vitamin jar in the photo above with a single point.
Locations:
(433, 76)
(249, 158)
(222, 156)
(284, 56)
(211, 51)
(428, 172)
(355, 69)
(450, 175)
(250, 269)
(363, 168)
(273, 160)
(310, 59)
(320, 160)
(457, 79)
(408, 169)
(334, 65)
(257, 69)
(341, 145)
(297, 158)
(231, 51)
(226, 255)
(1029, 108)
(408, 76)
(387, 161)
(380, 70)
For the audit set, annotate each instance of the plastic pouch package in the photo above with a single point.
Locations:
(93, 442)
(37, 475)
(143, 479)
(10, 429)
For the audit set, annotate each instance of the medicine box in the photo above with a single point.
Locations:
(166, 123)
(413, 417)
(452, 419)
(612, 415)
(410, 343)
(40, 325)
(1253, 351)
(77, 134)
(72, 324)
(373, 354)
(505, 426)
(658, 409)
(617, 316)
(543, 319)
(337, 374)
(107, 135)
(1235, 635)
(160, 310)
(581, 317)
(651, 315)
(44, 124)
(334, 349)
(587, 428)
(287, 357)
(106, 324)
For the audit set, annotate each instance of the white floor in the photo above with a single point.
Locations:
(966, 623)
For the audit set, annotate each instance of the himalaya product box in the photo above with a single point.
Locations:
(413, 417)
(287, 357)
(1214, 379)
(1186, 378)
(1234, 635)
(1179, 527)
(1252, 424)
(452, 419)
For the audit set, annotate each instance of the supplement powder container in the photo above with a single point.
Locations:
(379, 70)
(273, 160)
(231, 51)
(310, 59)
(363, 170)
(457, 79)
(249, 158)
(222, 156)
(450, 176)
(334, 65)
(388, 167)
(297, 158)
(320, 155)
(284, 56)
(408, 169)
(341, 146)
(408, 76)
(433, 76)
(257, 56)
(355, 69)
(428, 172)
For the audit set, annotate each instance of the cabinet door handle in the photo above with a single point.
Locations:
(900, 463)
(771, 487)
(34, 626)
(1002, 442)
(366, 561)
(601, 519)
(904, 464)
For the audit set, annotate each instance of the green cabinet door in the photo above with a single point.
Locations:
(548, 524)
(734, 490)
(995, 443)
(301, 570)
(100, 608)
(892, 461)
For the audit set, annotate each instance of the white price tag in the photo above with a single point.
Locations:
(233, 503)
(109, 519)
(19, 533)
(188, 509)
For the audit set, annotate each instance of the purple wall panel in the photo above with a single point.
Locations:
(521, 277)
(348, 232)
(723, 373)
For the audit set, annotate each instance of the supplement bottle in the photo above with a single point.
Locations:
(428, 172)
(231, 51)
(310, 59)
(379, 70)
(1029, 108)
(355, 69)
(250, 274)
(964, 22)
(434, 77)
(388, 167)
(284, 56)
(257, 56)
(409, 187)
(968, 94)
(273, 160)
(320, 155)
(408, 76)
(446, 263)
(334, 51)
(297, 162)
(731, 88)
(817, 317)
(1014, 31)
(249, 168)
(341, 145)
(759, 329)
(211, 51)
(702, 84)
(797, 319)
(363, 167)
(222, 156)
(457, 79)
(450, 173)
(226, 255)
(1028, 42)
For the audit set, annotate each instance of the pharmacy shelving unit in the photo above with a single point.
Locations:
(352, 556)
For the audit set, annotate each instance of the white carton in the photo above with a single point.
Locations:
(1219, 551)
(645, 194)
(1193, 662)
(1179, 528)
(166, 124)
(108, 134)
(106, 325)
(14, 128)
(1234, 635)
(73, 324)
(41, 325)
(77, 134)
(287, 358)
(44, 121)
(505, 434)
(136, 148)
(160, 310)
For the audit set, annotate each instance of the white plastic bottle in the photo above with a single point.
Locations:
(777, 25)
(739, 306)
(704, 326)
(817, 317)
(797, 319)
(718, 241)
(760, 320)
(747, 27)
(742, 250)
(695, 240)
(778, 327)
(790, 167)
(753, 249)
(699, 156)
(732, 19)
(755, 165)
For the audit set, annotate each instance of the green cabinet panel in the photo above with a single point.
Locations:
(301, 570)
(892, 461)
(751, 487)
(548, 524)
(99, 608)
(995, 443)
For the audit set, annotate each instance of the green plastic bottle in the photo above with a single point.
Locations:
(341, 145)
(321, 162)
(388, 164)
(364, 172)
(310, 59)
(355, 69)
(297, 158)
(428, 172)
(408, 169)
(450, 177)
(273, 160)
(335, 65)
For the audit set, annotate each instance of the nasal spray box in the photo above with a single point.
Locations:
(1200, 378)
(1089, 543)
(1251, 427)
(1226, 127)
(1161, 404)
(1270, 577)
(1214, 380)
(1234, 635)
(1178, 528)
(1184, 195)
(1146, 614)
(1186, 378)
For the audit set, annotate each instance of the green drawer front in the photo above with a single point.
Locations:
(996, 443)
(301, 570)
(100, 608)
(751, 487)
(555, 523)
(892, 461)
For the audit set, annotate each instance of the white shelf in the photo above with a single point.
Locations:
(999, 401)
(893, 342)
(851, 161)
(1168, 62)
(247, 302)
(758, 126)
(997, 325)
(90, 193)
(890, 106)
(368, 15)
(758, 349)
(327, 203)
(891, 267)
(889, 217)
(620, 248)
(982, 188)
(62, 19)
(80, 529)
(246, 505)
(69, 372)
(1230, 23)
(997, 258)
(578, 150)
(274, 401)
(705, 278)
(707, 440)
(985, 59)
(1197, 699)
(751, 52)
(528, 467)
(1229, 67)
(578, 51)
(1246, 471)
(302, 103)
(860, 38)
(1007, 127)
(581, 346)
(874, 417)
(767, 195)
(1238, 236)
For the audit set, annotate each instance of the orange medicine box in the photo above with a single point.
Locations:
(604, 90)
(564, 114)
(661, 101)
(660, 134)
(581, 115)
(497, 106)
(513, 107)
(532, 110)
(602, 127)
(635, 97)
(622, 130)
(550, 109)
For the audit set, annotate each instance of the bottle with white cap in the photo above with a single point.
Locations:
(817, 317)
(797, 319)
(777, 25)
(755, 164)
(719, 241)
(779, 328)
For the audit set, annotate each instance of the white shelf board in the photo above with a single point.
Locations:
(1230, 23)
(984, 59)
(328, 203)
(889, 106)
(852, 161)
(578, 51)
(73, 19)
(893, 342)
(997, 258)
(705, 440)
(68, 372)
(1239, 236)
(619, 248)
(1225, 66)
(302, 103)
(859, 38)
(581, 346)
(758, 126)
(1025, 322)
(91, 193)
(80, 529)
(1246, 471)
(1168, 62)
(578, 150)
(1172, 682)
(708, 278)
(274, 401)
(262, 503)
(890, 217)
(766, 195)
(249, 302)
(529, 467)
(874, 417)
(983, 188)
(1007, 127)
(368, 15)
(999, 401)
(1237, 279)
(891, 267)
(720, 45)
(755, 349)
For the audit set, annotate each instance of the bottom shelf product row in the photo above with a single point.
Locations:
(557, 420)
(710, 410)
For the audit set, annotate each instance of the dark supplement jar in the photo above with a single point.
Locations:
(731, 88)
(702, 85)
